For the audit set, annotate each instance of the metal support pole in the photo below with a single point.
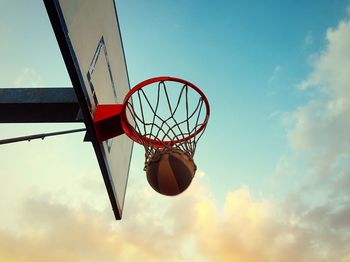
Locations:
(38, 136)
(39, 105)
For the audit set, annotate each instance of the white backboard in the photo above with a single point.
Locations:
(89, 37)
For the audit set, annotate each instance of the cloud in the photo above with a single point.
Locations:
(274, 75)
(28, 78)
(318, 162)
(57, 233)
(321, 131)
(308, 40)
(152, 229)
(188, 227)
(325, 75)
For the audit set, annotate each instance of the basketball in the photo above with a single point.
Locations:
(170, 172)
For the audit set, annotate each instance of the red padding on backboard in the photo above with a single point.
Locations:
(107, 121)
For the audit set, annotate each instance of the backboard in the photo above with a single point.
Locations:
(88, 35)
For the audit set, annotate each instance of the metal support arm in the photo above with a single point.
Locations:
(39, 105)
(37, 136)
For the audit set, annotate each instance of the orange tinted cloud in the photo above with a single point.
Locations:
(190, 227)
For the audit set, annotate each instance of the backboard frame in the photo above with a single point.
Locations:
(61, 32)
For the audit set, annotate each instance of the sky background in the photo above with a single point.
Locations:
(273, 165)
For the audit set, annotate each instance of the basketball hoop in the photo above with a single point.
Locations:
(162, 114)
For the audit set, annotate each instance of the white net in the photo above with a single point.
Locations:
(167, 115)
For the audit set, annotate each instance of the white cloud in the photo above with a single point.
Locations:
(28, 78)
(274, 75)
(318, 164)
(321, 131)
(308, 40)
(188, 227)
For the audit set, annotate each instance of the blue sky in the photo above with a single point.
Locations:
(247, 63)
(273, 163)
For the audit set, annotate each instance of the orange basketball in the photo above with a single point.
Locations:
(170, 172)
